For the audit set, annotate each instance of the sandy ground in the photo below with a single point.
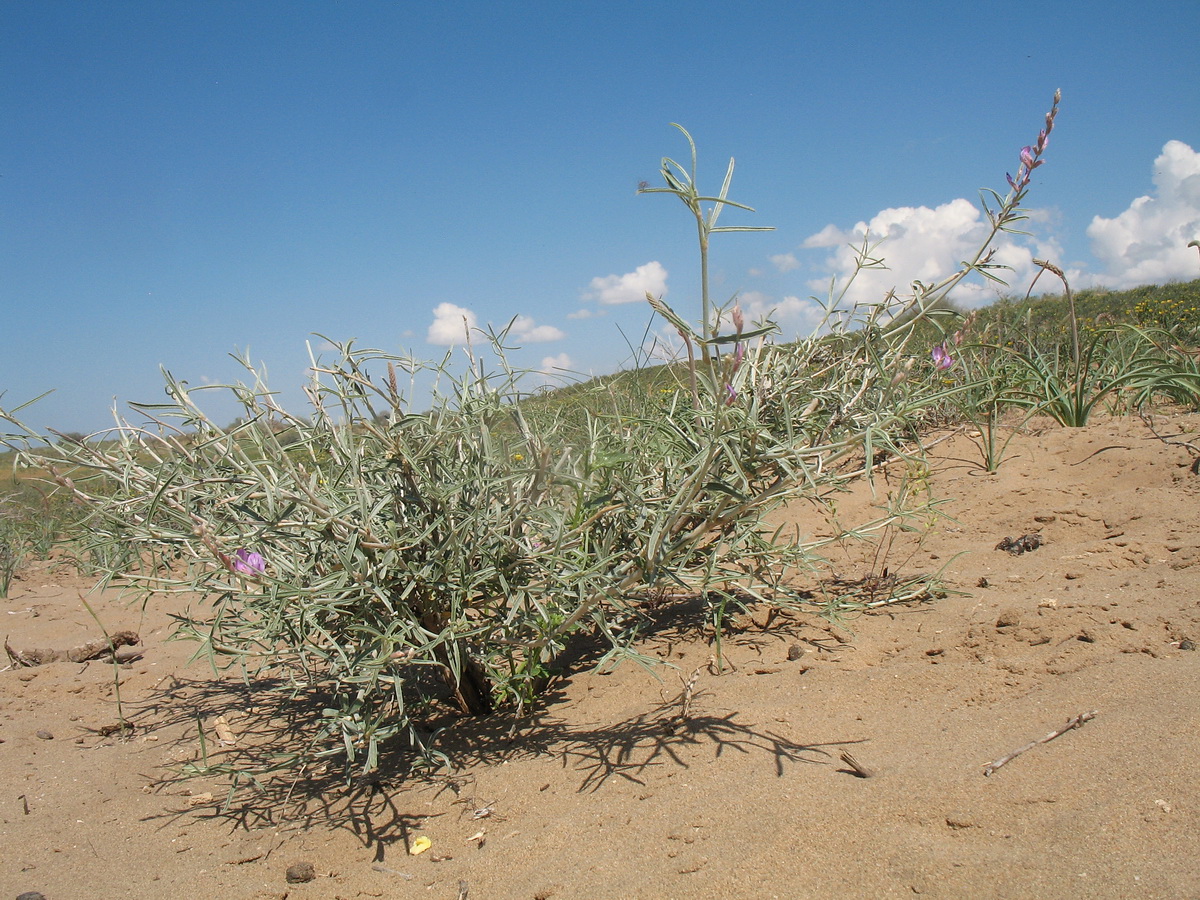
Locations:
(607, 793)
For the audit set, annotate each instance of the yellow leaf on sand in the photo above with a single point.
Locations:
(419, 845)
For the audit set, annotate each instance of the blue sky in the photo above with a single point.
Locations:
(179, 180)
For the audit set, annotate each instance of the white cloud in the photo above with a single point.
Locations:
(555, 371)
(795, 317)
(785, 262)
(1147, 243)
(586, 313)
(555, 365)
(829, 236)
(631, 287)
(526, 330)
(451, 325)
(927, 245)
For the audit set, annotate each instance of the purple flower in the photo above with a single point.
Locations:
(942, 358)
(731, 394)
(249, 563)
(1023, 172)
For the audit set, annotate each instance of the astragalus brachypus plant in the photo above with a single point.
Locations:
(362, 546)
(351, 548)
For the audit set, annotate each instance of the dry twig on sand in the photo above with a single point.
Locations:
(858, 768)
(680, 719)
(1074, 722)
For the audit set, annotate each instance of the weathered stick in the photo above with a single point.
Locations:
(83, 653)
(1074, 722)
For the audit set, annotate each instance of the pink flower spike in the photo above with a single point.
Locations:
(249, 563)
(739, 320)
(941, 357)
(1027, 156)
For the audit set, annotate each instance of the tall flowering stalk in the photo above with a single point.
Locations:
(1003, 213)
(1031, 157)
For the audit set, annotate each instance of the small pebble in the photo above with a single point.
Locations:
(795, 652)
(1185, 644)
(31, 895)
(301, 873)
(44, 734)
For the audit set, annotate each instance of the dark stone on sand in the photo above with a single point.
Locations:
(1008, 618)
(301, 873)
(31, 895)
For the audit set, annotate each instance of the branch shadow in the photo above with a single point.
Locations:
(273, 720)
(629, 749)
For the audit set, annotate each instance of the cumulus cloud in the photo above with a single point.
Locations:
(586, 313)
(631, 287)
(796, 317)
(526, 330)
(927, 245)
(451, 325)
(785, 262)
(557, 365)
(1147, 243)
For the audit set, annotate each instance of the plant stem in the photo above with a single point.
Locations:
(706, 331)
